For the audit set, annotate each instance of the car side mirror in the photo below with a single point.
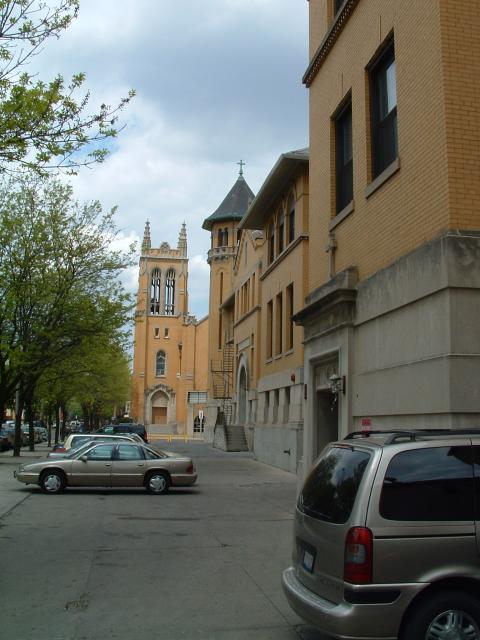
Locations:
(83, 458)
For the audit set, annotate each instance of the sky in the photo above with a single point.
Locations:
(216, 80)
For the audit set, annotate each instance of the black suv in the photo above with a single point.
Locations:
(125, 427)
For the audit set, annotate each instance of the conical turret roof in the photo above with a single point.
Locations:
(233, 206)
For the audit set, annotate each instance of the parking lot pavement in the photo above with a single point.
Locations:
(9, 494)
(202, 563)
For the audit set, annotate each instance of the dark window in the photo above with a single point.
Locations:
(129, 452)
(330, 490)
(429, 484)
(101, 452)
(155, 292)
(170, 293)
(160, 364)
(291, 219)
(281, 230)
(383, 95)
(271, 243)
(344, 158)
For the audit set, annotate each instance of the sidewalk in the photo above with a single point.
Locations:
(13, 492)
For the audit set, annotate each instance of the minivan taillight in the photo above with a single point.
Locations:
(358, 556)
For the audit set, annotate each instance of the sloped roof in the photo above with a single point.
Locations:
(233, 206)
(276, 180)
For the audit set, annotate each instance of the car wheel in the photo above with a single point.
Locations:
(52, 482)
(158, 482)
(444, 615)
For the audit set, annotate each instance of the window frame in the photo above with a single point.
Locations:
(291, 218)
(343, 169)
(383, 129)
(159, 353)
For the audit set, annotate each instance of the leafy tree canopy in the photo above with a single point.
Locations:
(45, 125)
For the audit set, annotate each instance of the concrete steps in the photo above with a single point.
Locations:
(235, 436)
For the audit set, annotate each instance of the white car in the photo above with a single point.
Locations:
(75, 440)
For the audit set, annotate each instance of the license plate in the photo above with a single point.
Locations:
(308, 561)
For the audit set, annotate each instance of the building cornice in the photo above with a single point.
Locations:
(328, 41)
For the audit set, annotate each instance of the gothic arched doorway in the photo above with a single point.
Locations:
(160, 402)
(242, 395)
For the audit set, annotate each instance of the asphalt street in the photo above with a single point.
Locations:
(199, 563)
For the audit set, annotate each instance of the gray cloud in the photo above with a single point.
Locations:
(217, 80)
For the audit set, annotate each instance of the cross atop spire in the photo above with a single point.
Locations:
(242, 164)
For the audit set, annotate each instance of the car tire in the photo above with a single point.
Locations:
(157, 482)
(442, 614)
(52, 482)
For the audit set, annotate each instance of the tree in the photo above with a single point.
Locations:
(59, 281)
(44, 125)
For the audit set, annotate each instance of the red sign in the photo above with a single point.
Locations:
(366, 422)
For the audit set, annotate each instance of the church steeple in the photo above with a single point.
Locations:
(182, 240)
(147, 242)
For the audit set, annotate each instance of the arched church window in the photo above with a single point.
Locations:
(291, 218)
(271, 243)
(155, 292)
(170, 293)
(280, 230)
(160, 364)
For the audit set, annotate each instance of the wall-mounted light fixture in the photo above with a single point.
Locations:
(337, 384)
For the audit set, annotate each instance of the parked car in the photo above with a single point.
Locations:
(74, 440)
(6, 440)
(126, 427)
(386, 537)
(111, 464)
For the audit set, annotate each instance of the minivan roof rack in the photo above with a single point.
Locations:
(411, 434)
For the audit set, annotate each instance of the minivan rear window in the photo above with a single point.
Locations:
(432, 484)
(330, 490)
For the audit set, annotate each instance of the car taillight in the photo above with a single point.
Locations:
(60, 450)
(190, 468)
(358, 556)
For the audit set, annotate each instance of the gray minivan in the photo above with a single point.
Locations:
(387, 537)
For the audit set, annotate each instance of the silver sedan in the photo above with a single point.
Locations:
(111, 464)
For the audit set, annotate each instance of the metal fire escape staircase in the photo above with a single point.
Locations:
(222, 377)
(222, 373)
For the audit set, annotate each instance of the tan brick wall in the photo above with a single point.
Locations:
(287, 270)
(412, 206)
(460, 29)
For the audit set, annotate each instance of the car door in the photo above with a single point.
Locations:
(94, 467)
(128, 466)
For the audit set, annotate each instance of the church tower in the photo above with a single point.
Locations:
(222, 225)
(167, 339)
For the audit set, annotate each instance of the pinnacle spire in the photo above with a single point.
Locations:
(147, 242)
(182, 239)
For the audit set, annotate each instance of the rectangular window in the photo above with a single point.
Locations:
(165, 332)
(279, 324)
(383, 100)
(269, 329)
(197, 397)
(434, 484)
(289, 314)
(343, 157)
(157, 332)
(220, 330)
(253, 290)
